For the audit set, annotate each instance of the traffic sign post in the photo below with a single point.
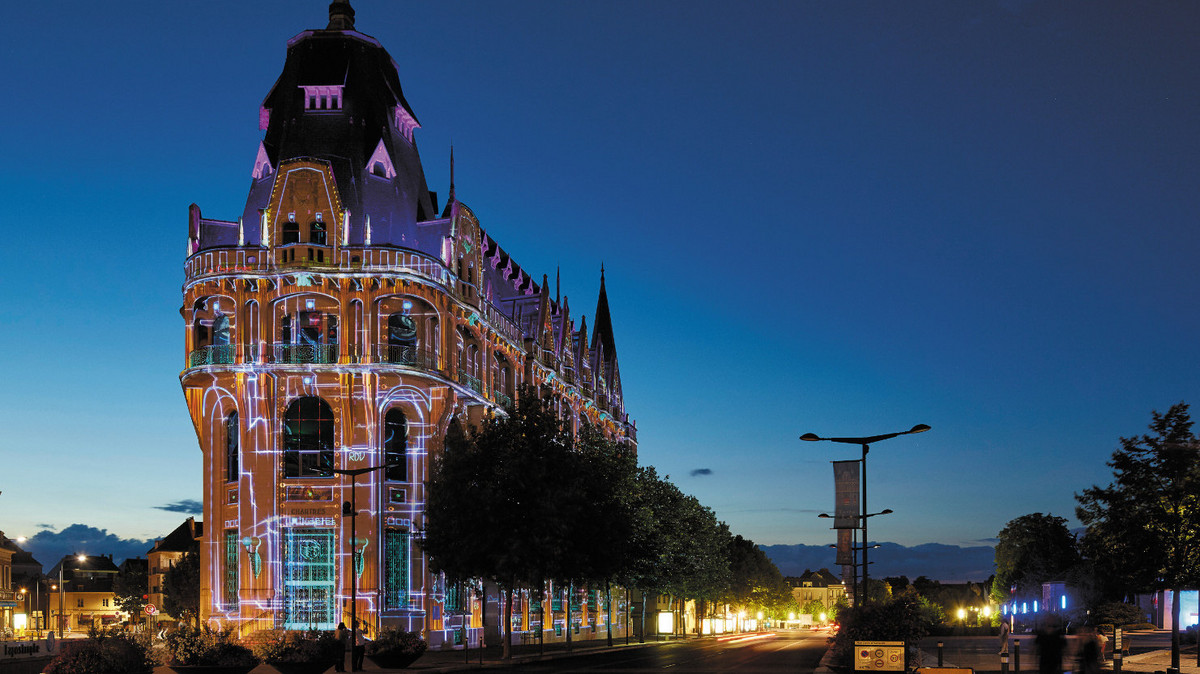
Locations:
(879, 656)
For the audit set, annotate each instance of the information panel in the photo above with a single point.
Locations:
(879, 656)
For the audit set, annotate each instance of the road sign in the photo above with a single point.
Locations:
(150, 609)
(879, 656)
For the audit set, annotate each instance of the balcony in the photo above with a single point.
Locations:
(306, 354)
(407, 356)
(502, 399)
(470, 381)
(216, 354)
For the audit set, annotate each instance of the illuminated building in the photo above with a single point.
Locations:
(341, 323)
(166, 553)
(86, 598)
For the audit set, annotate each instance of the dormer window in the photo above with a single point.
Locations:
(380, 164)
(316, 231)
(291, 231)
(322, 97)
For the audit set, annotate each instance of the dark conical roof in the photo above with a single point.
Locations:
(339, 99)
(602, 331)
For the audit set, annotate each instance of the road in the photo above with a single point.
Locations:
(788, 651)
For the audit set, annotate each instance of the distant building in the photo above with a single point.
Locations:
(166, 553)
(9, 600)
(342, 321)
(85, 598)
(820, 586)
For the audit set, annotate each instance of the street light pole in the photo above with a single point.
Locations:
(353, 515)
(866, 447)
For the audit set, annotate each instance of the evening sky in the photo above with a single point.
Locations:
(836, 217)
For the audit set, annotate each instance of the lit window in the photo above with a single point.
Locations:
(395, 445)
(231, 447)
(308, 438)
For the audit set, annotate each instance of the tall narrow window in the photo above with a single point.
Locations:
(316, 233)
(395, 569)
(308, 438)
(395, 445)
(229, 593)
(231, 447)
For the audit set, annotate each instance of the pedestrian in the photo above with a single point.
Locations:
(340, 633)
(1050, 644)
(360, 649)
(1004, 632)
(1089, 652)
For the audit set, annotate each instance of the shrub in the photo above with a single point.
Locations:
(1117, 613)
(280, 647)
(114, 652)
(195, 646)
(903, 619)
(391, 640)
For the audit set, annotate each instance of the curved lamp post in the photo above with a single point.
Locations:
(865, 442)
(854, 552)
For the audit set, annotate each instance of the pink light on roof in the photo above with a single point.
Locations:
(380, 157)
(405, 123)
(262, 164)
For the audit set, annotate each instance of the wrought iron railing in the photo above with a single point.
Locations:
(502, 399)
(470, 381)
(421, 358)
(218, 354)
(301, 354)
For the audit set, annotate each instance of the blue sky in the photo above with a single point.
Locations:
(844, 218)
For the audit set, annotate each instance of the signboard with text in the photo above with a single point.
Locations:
(879, 656)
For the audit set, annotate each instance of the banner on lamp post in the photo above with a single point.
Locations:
(845, 551)
(845, 494)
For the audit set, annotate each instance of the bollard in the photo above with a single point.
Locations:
(1004, 662)
(940, 654)
(1116, 662)
(1016, 656)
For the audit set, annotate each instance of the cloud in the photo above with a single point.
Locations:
(936, 561)
(187, 506)
(49, 546)
(701, 471)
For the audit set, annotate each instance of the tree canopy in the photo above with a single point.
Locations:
(1031, 550)
(181, 588)
(1143, 529)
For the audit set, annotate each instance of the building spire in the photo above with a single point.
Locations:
(602, 332)
(341, 15)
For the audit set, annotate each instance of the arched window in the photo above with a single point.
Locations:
(308, 438)
(395, 445)
(402, 339)
(291, 233)
(316, 232)
(231, 447)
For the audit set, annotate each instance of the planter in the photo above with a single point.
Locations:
(393, 659)
(211, 669)
(301, 667)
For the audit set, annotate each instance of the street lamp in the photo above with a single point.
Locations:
(61, 589)
(350, 509)
(865, 442)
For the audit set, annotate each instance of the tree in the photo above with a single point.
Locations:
(181, 589)
(755, 583)
(1143, 529)
(130, 592)
(501, 502)
(1031, 550)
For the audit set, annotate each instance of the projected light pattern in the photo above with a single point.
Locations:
(328, 331)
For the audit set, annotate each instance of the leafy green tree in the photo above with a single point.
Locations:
(181, 589)
(1143, 529)
(1031, 550)
(502, 502)
(904, 619)
(755, 583)
(814, 608)
(130, 591)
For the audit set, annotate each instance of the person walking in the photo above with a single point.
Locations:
(1050, 645)
(341, 634)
